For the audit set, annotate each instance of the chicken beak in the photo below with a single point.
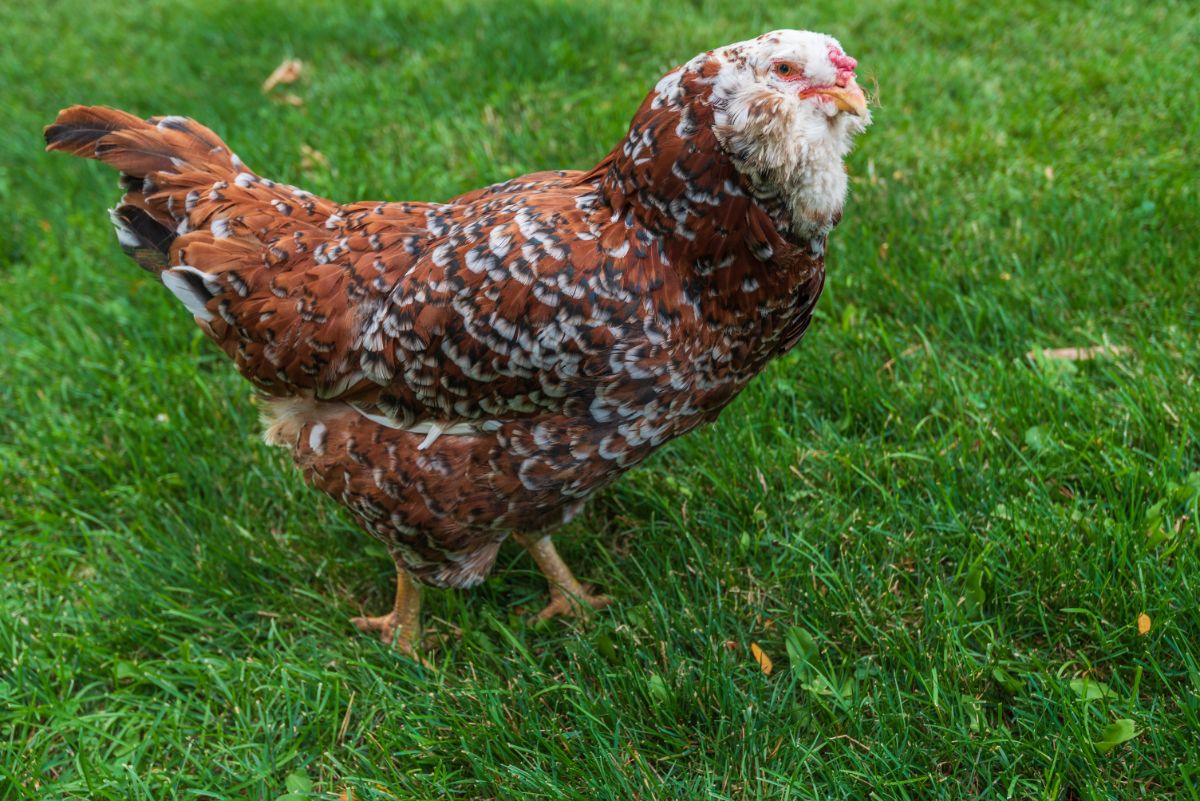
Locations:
(847, 98)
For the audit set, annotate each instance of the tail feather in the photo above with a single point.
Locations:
(161, 159)
(202, 136)
(79, 128)
(212, 231)
(135, 146)
(142, 236)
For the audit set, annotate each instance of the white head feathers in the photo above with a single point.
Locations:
(787, 108)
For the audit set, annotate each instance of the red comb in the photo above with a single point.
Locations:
(842, 61)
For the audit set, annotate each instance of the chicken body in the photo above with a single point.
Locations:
(455, 373)
(553, 373)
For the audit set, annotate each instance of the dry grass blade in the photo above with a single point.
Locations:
(1077, 354)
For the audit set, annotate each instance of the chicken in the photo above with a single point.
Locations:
(457, 373)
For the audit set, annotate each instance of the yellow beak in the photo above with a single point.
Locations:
(847, 98)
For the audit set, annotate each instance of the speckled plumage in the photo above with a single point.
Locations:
(456, 372)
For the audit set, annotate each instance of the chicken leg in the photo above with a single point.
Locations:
(567, 595)
(404, 619)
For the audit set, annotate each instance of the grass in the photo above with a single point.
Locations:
(930, 534)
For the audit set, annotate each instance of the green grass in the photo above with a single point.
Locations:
(946, 532)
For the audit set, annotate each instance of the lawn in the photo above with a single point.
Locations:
(945, 546)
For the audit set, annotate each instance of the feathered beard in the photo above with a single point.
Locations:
(792, 147)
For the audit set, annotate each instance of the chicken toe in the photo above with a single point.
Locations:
(568, 597)
(403, 624)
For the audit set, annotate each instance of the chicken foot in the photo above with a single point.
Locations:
(568, 596)
(405, 618)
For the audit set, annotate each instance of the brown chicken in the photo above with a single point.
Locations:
(455, 373)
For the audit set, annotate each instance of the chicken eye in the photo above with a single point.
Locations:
(783, 69)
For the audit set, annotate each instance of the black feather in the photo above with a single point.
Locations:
(147, 229)
(73, 137)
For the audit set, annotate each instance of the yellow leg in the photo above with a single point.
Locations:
(567, 596)
(403, 624)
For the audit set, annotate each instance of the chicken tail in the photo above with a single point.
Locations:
(156, 156)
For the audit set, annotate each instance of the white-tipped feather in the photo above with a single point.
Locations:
(184, 288)
(435, 431)
(432, 429)
(125, 234)
(316, 437)
(376, 418)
